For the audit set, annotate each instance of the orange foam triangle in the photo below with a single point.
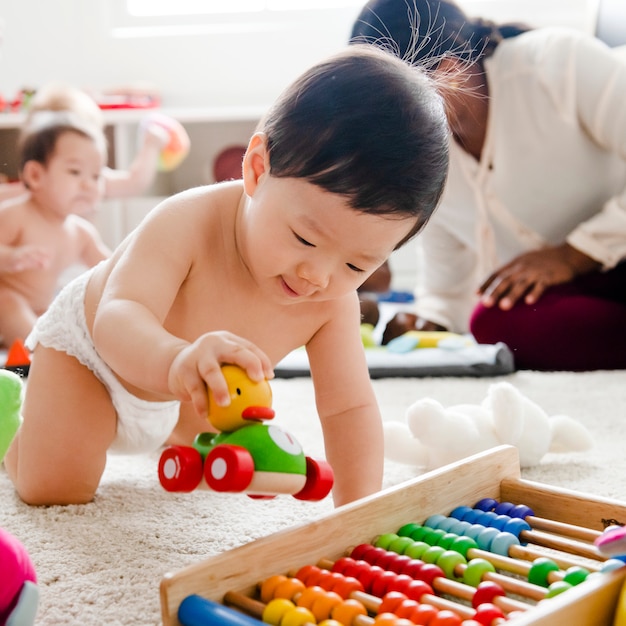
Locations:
(18, 355)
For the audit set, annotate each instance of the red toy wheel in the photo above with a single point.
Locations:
(228, 468)
(319, 480)
(180, 468)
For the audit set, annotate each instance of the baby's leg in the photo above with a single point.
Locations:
(59, 453)
(16, 316)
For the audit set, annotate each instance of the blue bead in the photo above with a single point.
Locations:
(486, 504)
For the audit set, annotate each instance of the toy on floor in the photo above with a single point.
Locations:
(10, 405)
(19, 595)
(18, 359)
(177, 148)
(247, 455)
(433, 435)
(415, 339)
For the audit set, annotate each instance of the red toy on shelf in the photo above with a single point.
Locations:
(248, 455)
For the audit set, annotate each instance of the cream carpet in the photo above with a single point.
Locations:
(101, 563)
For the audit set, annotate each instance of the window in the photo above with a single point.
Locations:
(163, 18)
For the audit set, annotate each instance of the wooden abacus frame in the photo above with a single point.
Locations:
(492, 474)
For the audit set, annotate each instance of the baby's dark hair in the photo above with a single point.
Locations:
(367, 126)
(422, 32)
(39, 137)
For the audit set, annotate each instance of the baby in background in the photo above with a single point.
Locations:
(118, 183)
(42, 233)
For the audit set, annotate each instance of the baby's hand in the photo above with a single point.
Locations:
(198, 366)
(25, 258)
(156, 135)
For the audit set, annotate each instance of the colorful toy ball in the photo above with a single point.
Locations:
(19, 596)
(178, 145)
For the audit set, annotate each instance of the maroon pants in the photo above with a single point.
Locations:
(576, 326)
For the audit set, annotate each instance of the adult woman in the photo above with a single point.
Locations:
(528, 245)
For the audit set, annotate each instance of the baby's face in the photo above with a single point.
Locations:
(303, 243)
(73, 176)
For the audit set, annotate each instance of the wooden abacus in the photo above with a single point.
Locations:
(563, 526)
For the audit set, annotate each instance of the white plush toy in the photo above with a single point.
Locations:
(433, 436)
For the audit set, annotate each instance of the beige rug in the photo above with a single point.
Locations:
(101, 563)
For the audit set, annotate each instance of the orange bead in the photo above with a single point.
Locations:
(347, 611)
(288, 588)
(268, 586)
(309, 595)
(385, 619)
(324, 605)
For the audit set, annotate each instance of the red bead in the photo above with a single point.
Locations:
(346, 586)
(413, 568)
(390, 601)
(343, 565)
(358, 551)
(487, 613)
(429, 572)
(417, 589)
(445, 618)
(486, 592)
(382, 583)
(368, 576)
(401, 583)
(405, 608)
(424, 614)
(400, 563)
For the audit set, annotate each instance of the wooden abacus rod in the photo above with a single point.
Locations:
(569, 530)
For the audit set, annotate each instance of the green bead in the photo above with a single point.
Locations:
(463, 544)
(476, 570)
(575, 575)
(432, 554)
(448, 561)
(433, 535)
(557, 587)
(419, 532)
(400, 544)
(416, 549)
(447, 540)
(383, 541)
(407, 529)
(540, 570)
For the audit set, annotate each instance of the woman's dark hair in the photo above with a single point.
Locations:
(367, 126)
(422, 32)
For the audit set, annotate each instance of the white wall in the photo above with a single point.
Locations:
(72, 40)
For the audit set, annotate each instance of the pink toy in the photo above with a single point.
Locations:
(178, 145)
(612, 542)
(18, 589)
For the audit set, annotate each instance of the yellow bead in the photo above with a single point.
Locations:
(275, 610)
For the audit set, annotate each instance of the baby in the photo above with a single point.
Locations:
(347, 166)
(42, 234)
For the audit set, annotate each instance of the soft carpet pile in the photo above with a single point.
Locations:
(101, 563)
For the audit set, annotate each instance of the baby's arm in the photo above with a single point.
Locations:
(129, 329)
(15, 259)
(142, 171)
(347, 406)
(92, 248)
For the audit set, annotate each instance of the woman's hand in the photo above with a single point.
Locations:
(198, 366)
(403, 322)
(529, 275)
